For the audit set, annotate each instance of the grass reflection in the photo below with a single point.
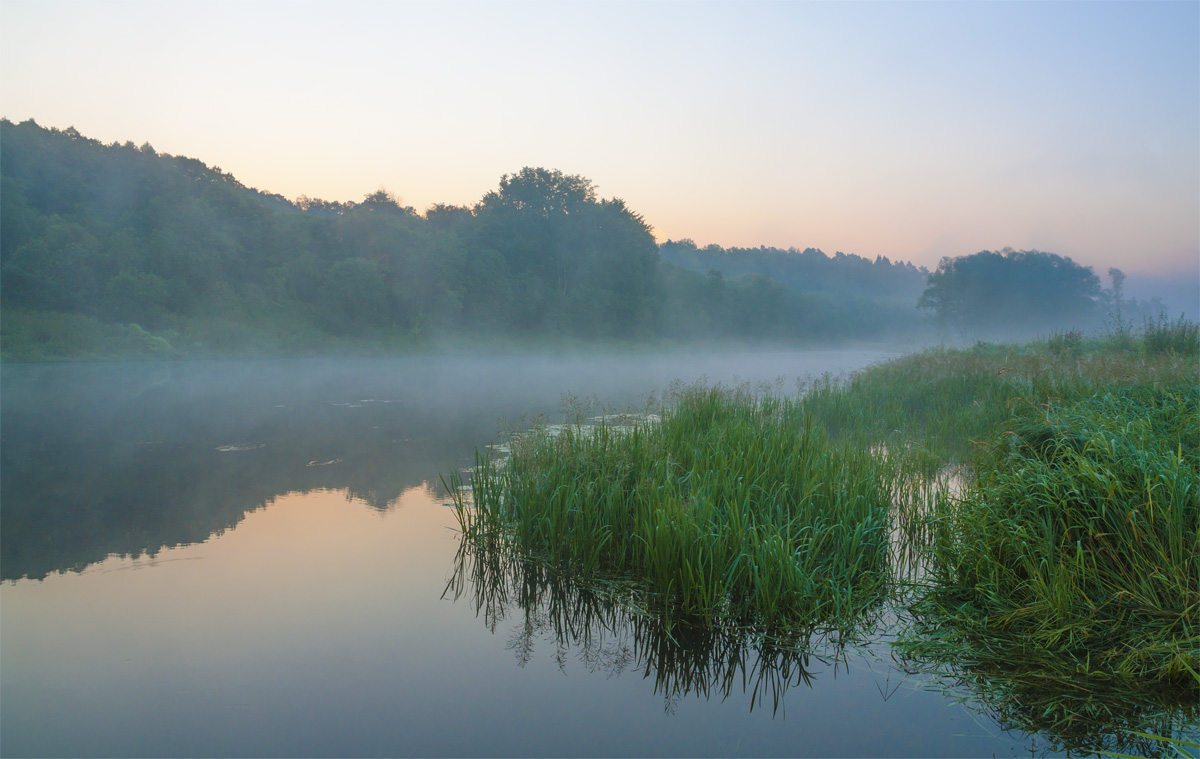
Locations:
(1028, 513)
(1085, 715)
(613, 627)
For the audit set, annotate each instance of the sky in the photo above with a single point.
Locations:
(907, 130)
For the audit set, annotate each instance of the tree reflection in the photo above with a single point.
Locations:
(128, 459)
(614, 627)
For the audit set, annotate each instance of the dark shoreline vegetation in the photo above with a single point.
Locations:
(116, 251)
(1028, 514)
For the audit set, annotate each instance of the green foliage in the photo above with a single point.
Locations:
(354, 296)
(732, 507)
(788, 295)
(136, 297)
(50, 336)
(1181, 337)
(124, 235)
(1023, 292)
(840, 276)
(1079, 537)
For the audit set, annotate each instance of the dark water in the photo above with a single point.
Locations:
(255, 558)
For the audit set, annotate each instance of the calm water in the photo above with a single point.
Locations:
(255, 558)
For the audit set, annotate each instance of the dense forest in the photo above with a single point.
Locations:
(117, 250)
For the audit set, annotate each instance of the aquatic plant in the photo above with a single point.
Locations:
(1030, 512)
(1077, 544)
(734, 505)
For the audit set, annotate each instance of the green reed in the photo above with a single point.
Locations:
(732, 506)
(1078, 540)
(1032, 504)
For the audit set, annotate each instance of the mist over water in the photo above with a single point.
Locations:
(216, 558)
(126, 458)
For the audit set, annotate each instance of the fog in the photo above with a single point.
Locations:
(1178, 291)
(127, 458)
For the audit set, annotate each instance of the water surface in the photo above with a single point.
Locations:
(256, 559)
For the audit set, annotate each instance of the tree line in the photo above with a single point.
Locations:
(119, 248)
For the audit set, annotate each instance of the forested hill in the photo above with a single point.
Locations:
(116, 250)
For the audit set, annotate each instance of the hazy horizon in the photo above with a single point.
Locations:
(912, 131)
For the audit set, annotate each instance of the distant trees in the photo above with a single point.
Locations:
(810, 294)
(1011, 293)
(812, 271)
(113, 235)
(354, 297)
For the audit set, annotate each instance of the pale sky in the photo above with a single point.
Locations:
(910, 130)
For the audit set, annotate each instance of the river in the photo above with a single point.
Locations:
(255, 558)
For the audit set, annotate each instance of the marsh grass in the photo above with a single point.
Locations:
(1181, 336)
(943, 402)
(1030, 512)
(733, 506)
(1078, 539)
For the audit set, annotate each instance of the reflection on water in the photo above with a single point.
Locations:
(126, 459)
(1087, 715)
(607, 626)
(255, 564)
(258, 641)
(1082, 718)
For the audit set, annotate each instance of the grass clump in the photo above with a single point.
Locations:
(1162, 335)
(1076, 547)
(733, 506)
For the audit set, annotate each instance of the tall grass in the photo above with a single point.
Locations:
(1065, 548)
(946, 401)
(1181, 336)
(732, 506)
(1078, 541)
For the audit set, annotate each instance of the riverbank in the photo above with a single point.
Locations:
(1068, 548)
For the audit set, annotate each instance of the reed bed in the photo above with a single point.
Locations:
(944, 402)
(732, 506)
(1078, 541)
(1033, 509)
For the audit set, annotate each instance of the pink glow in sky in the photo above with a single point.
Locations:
(913, 131)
